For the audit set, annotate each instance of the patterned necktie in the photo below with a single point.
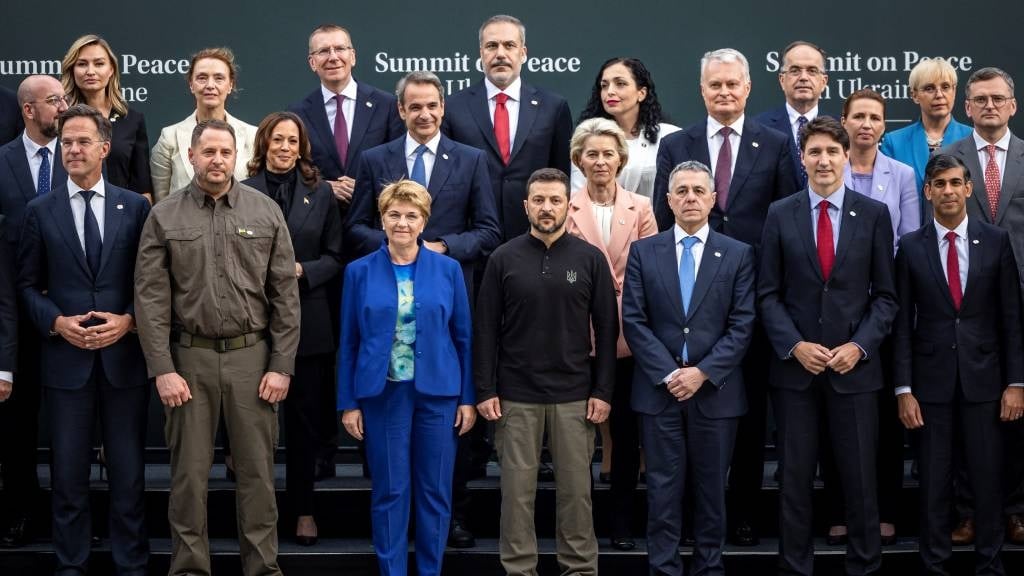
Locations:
(501, 127)
(687, 278)
(953, 270)
(826, 250)
(723, 169)
(800, 123)
(43, 182)
(93, 241)
(992, 180)
(419, 170)
(341, 131)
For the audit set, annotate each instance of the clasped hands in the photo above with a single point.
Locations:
(684, 383)
(112, 327)
(815, 358)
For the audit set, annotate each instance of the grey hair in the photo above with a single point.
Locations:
(725, 56)
(418, 77)
(497, 18)
(988, 74)
(691, 166)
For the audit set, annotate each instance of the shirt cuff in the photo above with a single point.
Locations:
(668, 378)
(7, 377)
(901, 390)
(863, 353)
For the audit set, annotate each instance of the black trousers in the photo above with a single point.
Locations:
(303, 413)
(19, 425)
(625, 432)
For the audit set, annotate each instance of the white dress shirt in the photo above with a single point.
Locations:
(35, 160)
(78, 207)
(835, 213)
(715, 141)
(348, 106)
(513, 92)
(428, 157)
(1001, 146)
(697, 251)
(603, 218)
(794, 119)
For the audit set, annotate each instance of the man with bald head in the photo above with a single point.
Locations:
(29, 166)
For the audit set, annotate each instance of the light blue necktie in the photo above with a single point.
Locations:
(687, 277)
(419, 171)
(43, 182)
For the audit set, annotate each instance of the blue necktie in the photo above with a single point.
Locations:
(419, 171)
(43, 182)
(93, 242)
(687, 278)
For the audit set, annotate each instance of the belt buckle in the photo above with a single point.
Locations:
(220, 345)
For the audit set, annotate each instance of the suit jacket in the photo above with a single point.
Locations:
(54, 280)
(314, 225)
(778, 119)
(171, 171)
(11, 122)
(763, 173)
(127, 165)
(462, 207)
(892, 183)
(632, 219)
(934, 345)
(717, 328)
(910, 146)
(1010, 213)
(376, 122)
(443, 328)
(542, 141)
(857, 303)
(8, 307)
(17, 188)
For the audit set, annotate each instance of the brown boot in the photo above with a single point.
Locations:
(1015, 529)
(964, 533)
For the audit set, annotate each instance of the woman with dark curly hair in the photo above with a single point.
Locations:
(624, 92)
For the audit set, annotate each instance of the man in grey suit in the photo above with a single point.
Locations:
(995, 158)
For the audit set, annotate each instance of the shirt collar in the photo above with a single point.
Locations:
(231, 197)
(100, 188)
(1002, 144)
(32, 148)
(793, 114)
(835, 200)
(702, 233)
(961, 229)
(714, 126)
(513, 91)
(411, 144)
(350, 91)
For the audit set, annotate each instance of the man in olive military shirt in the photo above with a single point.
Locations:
(217, 308)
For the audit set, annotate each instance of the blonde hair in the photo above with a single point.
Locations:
(598, 127)
(67, 75)
(405, 191)
(934, 70)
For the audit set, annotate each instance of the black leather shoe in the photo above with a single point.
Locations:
(17, 534)
(545, 473)
(459, 536)
(624, 543)
(835, 539)
(743, 534)
(324, 469)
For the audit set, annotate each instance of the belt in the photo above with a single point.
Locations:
(218, 344)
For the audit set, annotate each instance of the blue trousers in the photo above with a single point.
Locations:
(410, 438)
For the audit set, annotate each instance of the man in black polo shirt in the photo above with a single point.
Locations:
(535, 373)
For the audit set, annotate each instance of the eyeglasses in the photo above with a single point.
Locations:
(330, 50)
(932, 89)
(798, 71)
(998, 100)
(54, 101)
(68, 143)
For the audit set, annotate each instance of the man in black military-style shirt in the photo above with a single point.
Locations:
(534, 371)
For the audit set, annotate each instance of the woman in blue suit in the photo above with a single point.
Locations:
(933, 88)
(404, 378)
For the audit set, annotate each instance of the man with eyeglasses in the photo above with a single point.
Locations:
(996, 157)
(28, 168)
(803, 80)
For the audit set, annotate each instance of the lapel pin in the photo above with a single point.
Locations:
(718, 254)
(534, 102)
(305, 200)
(241, 230)
(754, 144)
(622, 222)
(852, 213)
(248, 232)
(880, 187)
(369, 104)
(120, 206)
(445, 156)
(975, 241)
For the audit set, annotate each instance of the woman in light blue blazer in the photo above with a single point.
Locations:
(933, 88)
(405, 380)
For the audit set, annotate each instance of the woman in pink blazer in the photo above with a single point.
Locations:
(610, 217)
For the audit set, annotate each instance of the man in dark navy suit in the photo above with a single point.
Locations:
(8, 321)
(76, 271)
(958, 367)
(689, 332)
(803, 78)
(752, 166)
(520, 127)
(826, 296)
(29, 167)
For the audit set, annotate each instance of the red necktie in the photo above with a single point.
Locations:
(826, 251)
(501, 129)
(723, 169)
(953, 270)
(340, 131)
(992, 180)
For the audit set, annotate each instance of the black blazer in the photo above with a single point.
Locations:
(8, 307)
(127, 165)
(17, 188)
(314, 224)
(933, 344)
(857, 304)
(764, 173)
(376, 122)
(542, 141)
(11, 123)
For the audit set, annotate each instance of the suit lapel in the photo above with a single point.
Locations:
(698, 148)
(1012, 171)
(849, 220)
(668, 266)
(398, 169)
(183, 135)
(583, 217)
(624, 218)
(60, 176)
(746, 157)
(301, 206)
(710, 261)
(528, 104)
(113, 215)
(21, 171)
(317, 113)
(966, 152)
(442, 167)
(480, 111)
(60, 206)
(364, 110)
(881, 177)
(931, 244)
(975, 244)
(802, 221)
(919, 147)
